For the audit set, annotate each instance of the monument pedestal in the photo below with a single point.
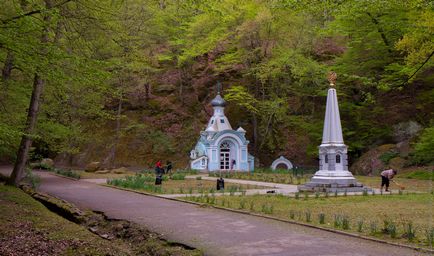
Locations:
(333, 181)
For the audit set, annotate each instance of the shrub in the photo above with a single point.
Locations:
(373, 228)
(308, 216)
(199, 178)
(337, 221)
(365, 192)
(252, 206)
(429, 233)
(242, 204)
(409, 231)
(389, 228)
(178, 176)
(297, 195)
(267, 209)
(42, 166)
(360, 226)
(317, 194)
(67, 173)
(321, 218)
(424, 148)
(387, 156)
(32, 179)
(292, 214)
(345, 222)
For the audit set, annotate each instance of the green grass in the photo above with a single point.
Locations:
(146, 182)
(352, 213)
(419, 175)
(409, 184)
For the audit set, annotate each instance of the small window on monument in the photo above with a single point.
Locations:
(222, 121)
(338, 159)
(212, 121)
(326, 159)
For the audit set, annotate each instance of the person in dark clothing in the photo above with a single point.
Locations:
(169, 167)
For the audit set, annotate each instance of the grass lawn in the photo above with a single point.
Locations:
(26, 226)
(365, 215)
(409, 184)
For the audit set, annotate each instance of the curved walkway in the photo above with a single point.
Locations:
(216, 232)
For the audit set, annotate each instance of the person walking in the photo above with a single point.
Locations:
(386, 177)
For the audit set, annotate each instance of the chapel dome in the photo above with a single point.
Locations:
(218, 101)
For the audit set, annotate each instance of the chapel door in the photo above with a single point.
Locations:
(225, 152)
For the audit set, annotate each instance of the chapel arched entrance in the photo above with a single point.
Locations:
(225, 155)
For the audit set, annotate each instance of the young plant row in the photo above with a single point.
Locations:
(285, 178)
(338, 221)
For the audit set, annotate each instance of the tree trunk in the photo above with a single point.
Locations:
(7, 67)
(110, 159)
(26, 140)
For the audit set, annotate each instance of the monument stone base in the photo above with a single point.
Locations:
(333, 182)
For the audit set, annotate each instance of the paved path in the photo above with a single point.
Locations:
(216, 232)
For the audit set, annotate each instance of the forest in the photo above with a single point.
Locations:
(128, 82)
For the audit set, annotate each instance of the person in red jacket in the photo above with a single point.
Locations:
(159, 167)
(386, 177)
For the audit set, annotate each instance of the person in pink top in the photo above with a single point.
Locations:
(386, 177)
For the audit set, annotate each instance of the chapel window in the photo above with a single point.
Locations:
(338, 159)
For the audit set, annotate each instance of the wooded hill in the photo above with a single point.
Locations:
(128, 82)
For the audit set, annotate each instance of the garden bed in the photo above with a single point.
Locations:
(177, 184)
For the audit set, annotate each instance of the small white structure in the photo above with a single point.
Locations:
(220, 147)
(281, 161)
(333, 171)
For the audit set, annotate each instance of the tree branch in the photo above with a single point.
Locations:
(427, 59)
(34, 12)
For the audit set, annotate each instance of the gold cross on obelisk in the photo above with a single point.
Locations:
(332, 78)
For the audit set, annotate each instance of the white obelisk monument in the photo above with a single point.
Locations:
(333, 174)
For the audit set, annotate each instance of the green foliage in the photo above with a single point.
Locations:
(273, 56)
(419, 175)
(139, 181)
(67, 173)
(424, 148)
(33, 179)
(177, 176)
(409, 231)
(321, 218)
(386, 157)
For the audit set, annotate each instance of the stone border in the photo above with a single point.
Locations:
(420, 249)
